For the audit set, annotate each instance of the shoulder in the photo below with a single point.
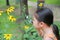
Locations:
(49, 37)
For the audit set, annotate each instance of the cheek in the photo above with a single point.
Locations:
(35, 23)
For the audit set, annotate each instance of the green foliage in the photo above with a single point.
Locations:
(57, 2)
(23, 34)
(30, 33)
(6, 26)
(18, 30)
(33, 0)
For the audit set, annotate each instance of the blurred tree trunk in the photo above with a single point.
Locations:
(7, 2)
(24, 7)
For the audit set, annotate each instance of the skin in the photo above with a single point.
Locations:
(36, 25)
(43, 29)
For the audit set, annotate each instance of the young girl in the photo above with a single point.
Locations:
(43, 22)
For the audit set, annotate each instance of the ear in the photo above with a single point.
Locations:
(41, 24)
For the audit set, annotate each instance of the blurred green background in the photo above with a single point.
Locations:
(17, 28)
(57, 2)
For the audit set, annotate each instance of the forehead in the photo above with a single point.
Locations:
(34, 18)
(36, 15)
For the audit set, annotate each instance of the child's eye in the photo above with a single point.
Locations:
(31, 21)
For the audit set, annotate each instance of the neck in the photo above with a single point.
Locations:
(46, 29)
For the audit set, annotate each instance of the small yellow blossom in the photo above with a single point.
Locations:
(11, 18)
(7, 36)
(1, 13)
(41, 4)
(26, 27)
(9, 10)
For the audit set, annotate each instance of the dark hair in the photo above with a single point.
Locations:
(56, 31)
(45, 15)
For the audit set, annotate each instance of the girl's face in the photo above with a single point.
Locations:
(35, 22)
(38, 25)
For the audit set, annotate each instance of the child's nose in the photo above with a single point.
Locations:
(31, 21)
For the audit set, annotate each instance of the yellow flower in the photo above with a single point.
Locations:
(1, 13)
(9, 10)
(7, 36)
(41, 4)
(26, 27)
(11, 18)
